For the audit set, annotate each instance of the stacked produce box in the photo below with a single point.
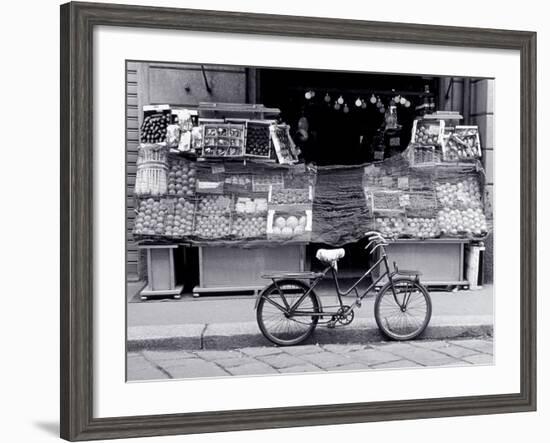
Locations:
(434, 189)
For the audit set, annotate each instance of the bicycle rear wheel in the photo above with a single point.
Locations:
(273, 317)
(405, 316)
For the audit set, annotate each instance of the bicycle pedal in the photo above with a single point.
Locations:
(358, 302)
(331, 324)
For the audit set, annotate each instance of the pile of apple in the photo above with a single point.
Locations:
(214, 205)
(289, 226)
(248, 227)
(390, 226)
(420, 227)
(182, 178)
(246, 205)
(213, 226)
(150, 217)
(179, 222)
(468, 221)
(464, 194)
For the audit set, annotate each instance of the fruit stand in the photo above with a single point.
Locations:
(234, 188)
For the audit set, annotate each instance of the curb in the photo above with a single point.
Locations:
(220, 336)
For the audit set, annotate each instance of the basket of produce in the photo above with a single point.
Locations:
(458, 192)
(213, 217)
(149, 220)
(462, 144)
(287, 226)
(424, 155)
(152, 170)
(390, 226)
(427, 132)
(421, 227)
(285, 149)
(182, 177)
(258, 142)
(250, 205)
(246, 226)
(223, 140)
(462, 222)
(180, 217)
(154, 126)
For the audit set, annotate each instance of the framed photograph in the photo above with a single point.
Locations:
(257, 235)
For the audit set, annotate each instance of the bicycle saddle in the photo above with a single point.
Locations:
(330, 255)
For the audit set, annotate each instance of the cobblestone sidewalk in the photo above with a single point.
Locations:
(154, 365)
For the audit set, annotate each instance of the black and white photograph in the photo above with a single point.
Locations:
(293, 221)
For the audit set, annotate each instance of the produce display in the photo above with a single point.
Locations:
(461, 194)
(212, 226)
(390, 226)
(246, 205)
(150, 217)
(214, 205)
(182, 178)
(151, 172)
(420, 227)
(258, 142)
(153, 128)
(462, 222)
(427, 132)
(223, 140)
(249, 227)
(290, 196)
(179, 218)
(288, 225)
(462, 144)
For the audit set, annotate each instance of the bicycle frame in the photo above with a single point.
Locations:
(292, 310)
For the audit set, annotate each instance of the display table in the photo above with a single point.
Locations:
(441, 261)
(161, 279)
(225, 269)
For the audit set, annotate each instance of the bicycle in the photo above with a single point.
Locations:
(288, 310)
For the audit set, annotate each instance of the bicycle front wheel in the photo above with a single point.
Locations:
(405, 315)
(274, 319)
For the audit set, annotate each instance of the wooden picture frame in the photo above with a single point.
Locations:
(77, 23)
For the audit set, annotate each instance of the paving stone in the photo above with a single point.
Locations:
(266, 350)
(485, 346)
(455, 351)
(479, 359)
(195, 367)
(302, 350)
(301, 368)
(372, 356)
(282, 360)
(343, 349)
(137, 361)
(149, 372)
(397, 364)
(256, 368)
(354, 366)
(326, 359)
(425, 357)
(217, 355)
(167, 355)
(236, 361)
